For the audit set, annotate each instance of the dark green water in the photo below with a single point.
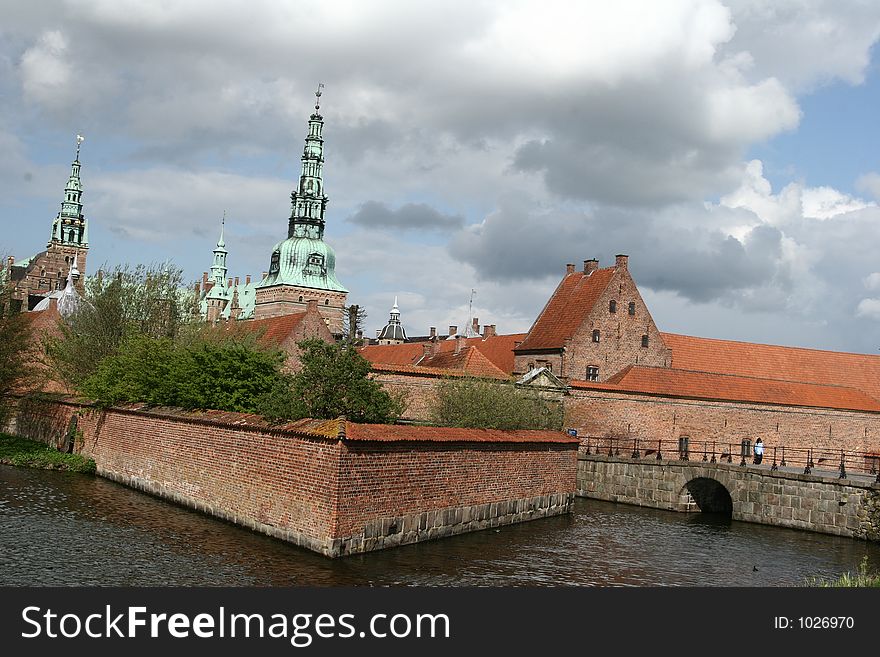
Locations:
(59, 528)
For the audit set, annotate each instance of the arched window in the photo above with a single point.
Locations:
(632, 307)
(300, 298)
(326, 302)
(645, 341)
(612, 306)
(596, 335)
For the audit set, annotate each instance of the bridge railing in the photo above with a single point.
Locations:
(843, 462)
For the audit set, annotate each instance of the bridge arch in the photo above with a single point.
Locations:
(710, 495)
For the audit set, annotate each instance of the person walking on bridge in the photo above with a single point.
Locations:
(759, 451)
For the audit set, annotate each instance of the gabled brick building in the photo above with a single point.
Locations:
(593, 326)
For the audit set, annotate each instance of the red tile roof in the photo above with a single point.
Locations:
(669, 382)
(418, 370)
(415, 433)
(572, 301)
(342, 429)
(498, 349)
(277, 328)
(859, 371)
(469, 360)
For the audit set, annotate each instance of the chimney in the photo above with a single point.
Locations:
(236, 281)
(432, 332)
(205, 279)
(621, 261)
(459, 340)
(569, 268)
(198, 288)
(475, 325)
(452, 331)
(590, 266)
(229, 282)
(488, 331)
(312, 306)
(247, 279)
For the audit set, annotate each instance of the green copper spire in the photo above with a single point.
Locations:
(218, 267)
(304, 259)
(69, 226)
(308, 202)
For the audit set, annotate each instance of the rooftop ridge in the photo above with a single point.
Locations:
(768, 344)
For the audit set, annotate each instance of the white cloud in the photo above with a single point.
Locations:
(46, 70)
(869, 308)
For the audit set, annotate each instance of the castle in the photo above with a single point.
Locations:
(47, 273)
(594, 346)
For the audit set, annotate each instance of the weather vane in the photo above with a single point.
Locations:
(318, 96)
(79, 140)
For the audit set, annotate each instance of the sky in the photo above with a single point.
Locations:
(730, 148)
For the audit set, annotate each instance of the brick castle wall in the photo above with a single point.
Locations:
(329, 495)
(623, 416)
(403, 492)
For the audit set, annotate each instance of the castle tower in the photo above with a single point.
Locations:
(219, 294)
(302, 268)
(34, 278)
(393, 332)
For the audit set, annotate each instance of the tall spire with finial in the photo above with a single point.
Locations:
(218, 268)
(69, 226)
(393, 333)
(308, 202)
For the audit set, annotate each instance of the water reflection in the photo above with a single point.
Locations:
(60, 528)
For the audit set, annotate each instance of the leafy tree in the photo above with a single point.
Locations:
(17, 353)
(485, 404)
(143, 300)
(334, 381)
(223, 374)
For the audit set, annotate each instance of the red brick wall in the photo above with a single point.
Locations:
(397, 479)
(419, 391)
(276, 479)
(314, 491)
(601, 413)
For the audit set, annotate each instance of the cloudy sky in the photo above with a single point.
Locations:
(730, 148)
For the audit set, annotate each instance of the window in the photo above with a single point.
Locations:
(531, 366)
(326, 302)
(592, 373)
(300, 298)
(596, 335)
(612, 306)
(632, 307)
(645, 341)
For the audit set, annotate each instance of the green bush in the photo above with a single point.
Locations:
(334, 381)
(222, 373)
(484, 404)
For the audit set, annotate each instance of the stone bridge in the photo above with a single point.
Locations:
(819, 502)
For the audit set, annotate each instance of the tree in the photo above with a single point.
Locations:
(144, 300)
(17, 352)
(485, 404)
(334, 381)
(222, 373)
(353, 324)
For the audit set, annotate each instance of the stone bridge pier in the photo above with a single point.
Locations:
(815, 502)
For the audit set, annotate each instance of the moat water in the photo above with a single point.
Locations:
(60, 528)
